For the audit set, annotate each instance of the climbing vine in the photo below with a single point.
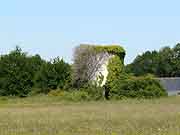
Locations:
(115, 68)
(116, 63)
(89, 59)
(113, 49)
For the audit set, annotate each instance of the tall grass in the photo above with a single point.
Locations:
(45, 115)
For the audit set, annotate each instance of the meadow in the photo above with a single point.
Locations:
(43, 115)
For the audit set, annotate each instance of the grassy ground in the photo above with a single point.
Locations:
(48, 116)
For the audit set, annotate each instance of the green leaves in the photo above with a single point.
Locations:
(162, 63)
(137, 87)
(15, 74)
(88, 61)
(20, 72)
(53, 75)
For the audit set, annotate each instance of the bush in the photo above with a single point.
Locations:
(124, 87)
(17, 72)
(94, 92)
(53, 75)
(86, 93)
(136, 87)
(75, 95)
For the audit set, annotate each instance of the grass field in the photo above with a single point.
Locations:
(49, 116)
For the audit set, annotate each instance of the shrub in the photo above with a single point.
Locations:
(94, 92)
(85, 93)
(136, 87)
(53, 75)
(17, 71)
(74, 95)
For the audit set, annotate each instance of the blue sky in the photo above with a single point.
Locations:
(54, 27)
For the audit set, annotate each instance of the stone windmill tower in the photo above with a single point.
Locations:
(97, 64)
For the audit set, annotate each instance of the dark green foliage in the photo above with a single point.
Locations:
(53, 75)
(146, 63)
(75, 95)
(136, 87)
(125, 86)
(94, 92)
(86, 93)
(163, 63)
(176, 61)
(21, 74)
(35, 63)
(17, 72)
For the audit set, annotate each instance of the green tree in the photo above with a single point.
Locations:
(176, 60)
(15, 78)
(165, 65)
(143, 64)
(53, 75)
(162, 63)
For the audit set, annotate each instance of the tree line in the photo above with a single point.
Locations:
(21, 74)
(24, 75)
(162, 63)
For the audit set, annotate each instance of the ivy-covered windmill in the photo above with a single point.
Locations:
(97, 64)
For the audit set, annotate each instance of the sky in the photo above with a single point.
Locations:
(53, 28)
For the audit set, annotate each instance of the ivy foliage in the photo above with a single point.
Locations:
(115, 69)
(111, 49)
(88, 59)
(115, 64)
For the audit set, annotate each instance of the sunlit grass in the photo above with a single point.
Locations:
(44, 115)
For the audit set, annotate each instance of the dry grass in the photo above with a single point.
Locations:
(44, 116)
